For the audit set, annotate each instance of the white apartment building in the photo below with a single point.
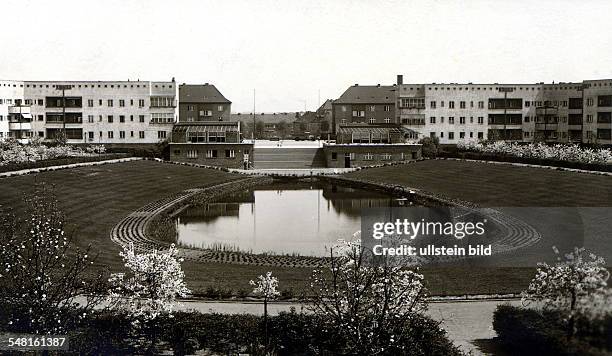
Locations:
(561, 112)
(100, 112)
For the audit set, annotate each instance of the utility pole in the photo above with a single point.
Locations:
(254, 123)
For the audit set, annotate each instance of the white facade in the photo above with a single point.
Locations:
(114, 112)
(575, 112)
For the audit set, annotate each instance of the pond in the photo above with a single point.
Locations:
(298, 218)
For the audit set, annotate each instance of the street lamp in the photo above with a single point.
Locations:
(63, 88)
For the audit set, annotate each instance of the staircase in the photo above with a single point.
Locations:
(288, 157)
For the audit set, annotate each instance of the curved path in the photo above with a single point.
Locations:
(132, 229)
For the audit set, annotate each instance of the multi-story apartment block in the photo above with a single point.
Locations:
(365, 104)
(202, 103)
(561, 112)
(109, 112)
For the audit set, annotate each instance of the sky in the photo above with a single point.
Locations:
(296, 54)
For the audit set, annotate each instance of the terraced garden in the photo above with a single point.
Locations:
(96, 199)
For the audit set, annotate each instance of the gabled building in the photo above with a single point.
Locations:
(365, 104)
(202, 102)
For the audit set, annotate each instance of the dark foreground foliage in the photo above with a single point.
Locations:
(105, 333)
(532, 332)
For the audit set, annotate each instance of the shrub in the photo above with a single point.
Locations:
(534, 332)
(429, 146)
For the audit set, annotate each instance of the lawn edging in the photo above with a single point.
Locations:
(516, 162)
(67, 166)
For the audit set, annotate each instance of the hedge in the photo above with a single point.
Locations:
(534, 332)
(289, 334)
(11, 167)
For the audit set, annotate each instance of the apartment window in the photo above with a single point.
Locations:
(481, 104)
(462, 120)
(471, 134)
(432, 120)
(385, 156)
(358, 113)
(451, 135)
(161, 134)
(141, 103)
(131, 102)
(589, 118)
(461, 135)
(334, 156)
(480, 135)
(441, 119)
(480, 120)
(121, 103)
(141, 118)
(40, 118)
(526, 118)
(220, 108)
(432, 134)
(190, 108)
(131, 133)
(121, 134)
(192, 153)
(462, 104)
(91, 135)
(343, 108)
(131, 117)
(109, 103)
(141, 134)
(372, 121)
(230, 154)
(526, 103)
(368, 157)
(441, 134)
(442, 103)
(121, 118)
(41, 102)
(387, 120)
(372, 108)
(387, 107)
(110, 134)
(451, 104)
(90, 103)
(99, 102)
(471, 119)
(90, 118)
(432, 104)
(471, 104)
(211, 154)
(110, 119)
(451, 120)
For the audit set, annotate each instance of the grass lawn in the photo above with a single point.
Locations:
(96, 198)
(494, 185)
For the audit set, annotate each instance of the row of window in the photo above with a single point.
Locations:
(205, 112)
(368, 156)
(87, 85)
(451, 135)
(209, 153)
(122, 134)
(57, 102)
(462, 120)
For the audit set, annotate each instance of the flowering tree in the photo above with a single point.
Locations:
(561, 152)
(151, 286)
(149, 289)
(577, 286)
(367, 303)
(267, 288)
(42, 271)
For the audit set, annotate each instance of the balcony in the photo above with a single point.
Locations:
(20, 126)
(18, 110)
(546, 127)
(548, 111)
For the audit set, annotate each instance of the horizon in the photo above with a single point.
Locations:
(306, 53)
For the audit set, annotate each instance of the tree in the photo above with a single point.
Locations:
(282, 128)
(149, 289)
(325, 126)
(367, 304)
(259, 129)
(43, 272)
(429, 146)
(577, 286)
(267, 288)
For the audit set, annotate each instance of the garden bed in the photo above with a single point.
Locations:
(11, 167)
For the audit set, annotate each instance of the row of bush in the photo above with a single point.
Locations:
(543, 332)
(290, 333)
(11, 167)
(540, 150)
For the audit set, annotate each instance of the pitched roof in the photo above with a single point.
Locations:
(367, 94)
(201, 93)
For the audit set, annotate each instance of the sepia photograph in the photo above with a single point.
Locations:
(284, 177)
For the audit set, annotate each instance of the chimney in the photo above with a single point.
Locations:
(400, 79)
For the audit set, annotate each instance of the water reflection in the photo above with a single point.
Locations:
(296, 218)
